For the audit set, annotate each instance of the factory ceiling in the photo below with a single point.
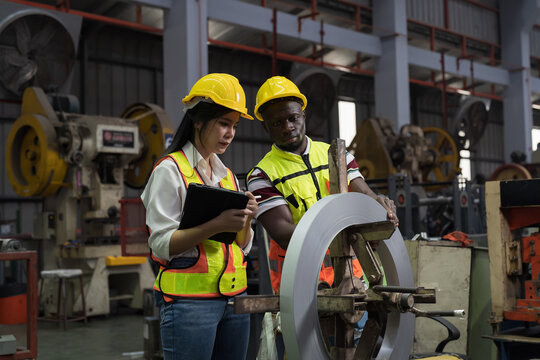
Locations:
(343, 13)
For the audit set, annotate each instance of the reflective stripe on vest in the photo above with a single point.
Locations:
(302, 180)
(220, 269)
(276, 258)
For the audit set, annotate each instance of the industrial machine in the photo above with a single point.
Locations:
(423, 154)
(513, 219)
(349, 224)
(418, 169)
(79, 165)
(518, 169)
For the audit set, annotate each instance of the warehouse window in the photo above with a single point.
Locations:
(347, 121)
(535, 138)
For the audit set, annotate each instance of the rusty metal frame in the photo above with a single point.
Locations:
(31, 303)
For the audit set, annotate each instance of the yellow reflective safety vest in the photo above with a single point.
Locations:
(302, 180)
(220, 269)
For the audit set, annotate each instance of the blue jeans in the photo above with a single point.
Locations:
(202, 329)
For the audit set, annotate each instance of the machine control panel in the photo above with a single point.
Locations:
(117, 139)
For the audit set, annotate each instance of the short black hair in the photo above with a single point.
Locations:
(265, 106)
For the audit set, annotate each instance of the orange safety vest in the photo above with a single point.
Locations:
(220, 269)
(302, 180)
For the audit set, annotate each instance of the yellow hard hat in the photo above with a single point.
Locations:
(274, 88)
(223, 89)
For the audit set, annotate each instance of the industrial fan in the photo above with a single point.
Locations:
(36, 49)
(470, 121)
(320, 92)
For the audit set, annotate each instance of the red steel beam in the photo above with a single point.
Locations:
(432, 48)
(452, 32)
(10, 101)
(446, 15)
(288, 57)
(444, 107)
(483, 6)
(463, 55)
(138, 14)
(322, 41)
(492, 63)
(358, 18)
(463, 38)
(274, 42)
(94, 17)
(299, 59)
(355, 4)
(453, 89)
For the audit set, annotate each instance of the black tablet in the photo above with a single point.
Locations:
(205, 202)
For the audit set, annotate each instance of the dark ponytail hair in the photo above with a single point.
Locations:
(203, 112)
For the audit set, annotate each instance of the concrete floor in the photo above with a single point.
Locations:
(105, 338)
(114, 337)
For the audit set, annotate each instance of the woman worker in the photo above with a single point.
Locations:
(198, 276)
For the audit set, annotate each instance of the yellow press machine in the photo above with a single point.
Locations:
(426, 154)
(78, 164)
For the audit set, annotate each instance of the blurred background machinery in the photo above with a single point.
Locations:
(80, 166)
(518, 169)
(419, 169)
(424, 154)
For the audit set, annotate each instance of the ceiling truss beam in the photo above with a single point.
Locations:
(260, 18)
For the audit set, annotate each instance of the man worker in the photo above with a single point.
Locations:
(294, 175)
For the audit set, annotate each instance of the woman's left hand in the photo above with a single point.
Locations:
(390, 208)
(243, 236)
(252, 204)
